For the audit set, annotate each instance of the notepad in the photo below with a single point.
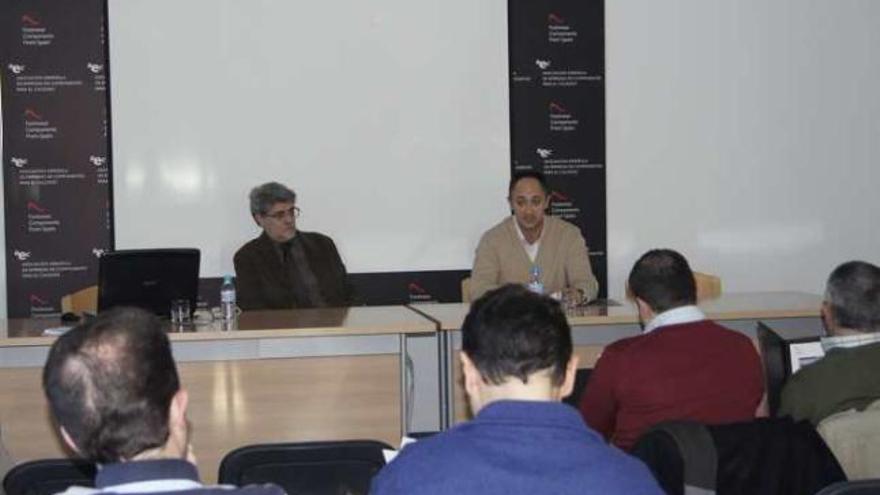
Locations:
(55, 331)
(804, 353)
(390, 454)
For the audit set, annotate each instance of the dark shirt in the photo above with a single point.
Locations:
(306, 273)
(515, 448)
(168, 476)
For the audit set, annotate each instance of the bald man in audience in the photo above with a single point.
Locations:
(508, 251)
(848, 376)
(114, 392)
(682, 367)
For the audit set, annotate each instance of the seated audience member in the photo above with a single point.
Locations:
(507, 251)
(683, 366)
(849, 375)
(518, 364)
(284, 267)
(113, 389)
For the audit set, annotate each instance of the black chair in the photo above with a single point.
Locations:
(773, 355)
(773, 456)
(860, 487)
(581, 377)
(311, 468)
(48, 476)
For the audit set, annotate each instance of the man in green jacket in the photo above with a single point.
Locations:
(849, 375)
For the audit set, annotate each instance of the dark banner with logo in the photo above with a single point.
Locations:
(557, 109)
(56, 164)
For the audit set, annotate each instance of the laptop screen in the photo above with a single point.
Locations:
(148, 278)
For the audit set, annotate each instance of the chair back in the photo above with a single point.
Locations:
(48, 476)
(861, 487)
(311, 468)
(682, 457)
(581, 377)
(83, 300)
(708, 286)
(854, 438)
(766, 456)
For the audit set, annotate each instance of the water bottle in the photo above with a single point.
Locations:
(535, 285)
(227, 299)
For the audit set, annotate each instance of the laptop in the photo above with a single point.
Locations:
(148, 278)
(782, 358)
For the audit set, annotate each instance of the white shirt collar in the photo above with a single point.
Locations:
(675, 316)
(849, 341)
(531, 249)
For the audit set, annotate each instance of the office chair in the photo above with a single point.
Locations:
(466, 289)
(772, 456)
(708, 286)
(310, 468)
(581, 377)
(83, 300)
(48, 476)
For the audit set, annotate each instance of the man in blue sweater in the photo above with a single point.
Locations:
(518, 365)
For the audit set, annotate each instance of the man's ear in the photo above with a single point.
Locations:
(644, 309)
(258, 220)
(68, 440)
(827, 314)
(473, 380)
(178, 444)
(570, 372)
(177, 409)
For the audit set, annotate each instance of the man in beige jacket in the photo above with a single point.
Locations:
(508, 251)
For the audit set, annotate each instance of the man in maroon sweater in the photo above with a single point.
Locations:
(683, 366)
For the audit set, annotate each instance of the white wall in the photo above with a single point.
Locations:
(388, 117)
(745, 134)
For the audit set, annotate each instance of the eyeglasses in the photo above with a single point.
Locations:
(294, 212)
(525, 202)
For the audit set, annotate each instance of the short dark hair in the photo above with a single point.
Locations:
(511, 332)
(853, 291)
(110, 383)
(663, 279)
(265, 195)
(530, 174)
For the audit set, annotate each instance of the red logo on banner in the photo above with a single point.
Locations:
(35, 299)
(32, 115)
(33, 206)
(558, 196)
(557, 108)
(555, 19)
(416, 288)
(30, 20)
